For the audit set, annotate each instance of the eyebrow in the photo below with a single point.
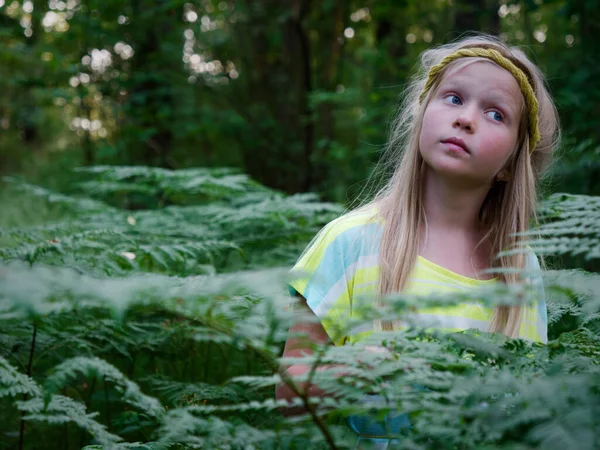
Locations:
(499, 99)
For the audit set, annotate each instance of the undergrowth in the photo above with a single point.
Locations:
(147, 309)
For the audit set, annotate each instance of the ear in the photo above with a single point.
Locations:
(503, 175)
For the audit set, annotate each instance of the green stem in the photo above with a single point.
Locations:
(207, 352)
(66, 435)
(88, 403)
(274, 366)
(106, 405)
(29, 365)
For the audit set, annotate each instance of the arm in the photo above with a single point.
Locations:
(295, 347)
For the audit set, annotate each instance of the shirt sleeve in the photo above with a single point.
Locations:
(324, 276)
(535, 319)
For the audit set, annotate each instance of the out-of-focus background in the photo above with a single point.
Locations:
(164, 163)
(297, 94)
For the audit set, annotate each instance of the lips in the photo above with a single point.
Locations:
(454, 141)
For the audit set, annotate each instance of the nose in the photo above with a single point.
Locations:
(465, 121)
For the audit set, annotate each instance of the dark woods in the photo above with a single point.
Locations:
(165, 163)
(298, 95)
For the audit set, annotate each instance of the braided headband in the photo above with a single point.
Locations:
(505, 63)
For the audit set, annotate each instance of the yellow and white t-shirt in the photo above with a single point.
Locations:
(342, 264)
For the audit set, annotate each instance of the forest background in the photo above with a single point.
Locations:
(165, 162)
(297, 94)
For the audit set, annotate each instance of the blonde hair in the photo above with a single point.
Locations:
(508, 206)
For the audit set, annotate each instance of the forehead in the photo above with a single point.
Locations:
(484, 76)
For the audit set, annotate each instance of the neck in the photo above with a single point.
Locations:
(452, 206)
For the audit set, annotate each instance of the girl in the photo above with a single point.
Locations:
(473, 137)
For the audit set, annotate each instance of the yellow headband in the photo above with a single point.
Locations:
(505, 63)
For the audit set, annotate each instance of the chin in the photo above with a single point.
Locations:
(453, 169)
(446, 162)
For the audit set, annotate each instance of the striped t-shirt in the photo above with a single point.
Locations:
(342, 264)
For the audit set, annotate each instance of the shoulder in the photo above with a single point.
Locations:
(342, 243)
(531, 261)
(325, 273)
(533, 269)
(359, 226)
(533, 276)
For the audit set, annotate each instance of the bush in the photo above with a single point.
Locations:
(147, 309)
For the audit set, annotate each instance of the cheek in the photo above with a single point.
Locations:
(430, 117)
(426, 135)
(500, 145)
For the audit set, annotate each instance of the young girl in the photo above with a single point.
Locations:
(473, 136)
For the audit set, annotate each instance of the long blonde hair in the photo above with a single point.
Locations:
(508, 207)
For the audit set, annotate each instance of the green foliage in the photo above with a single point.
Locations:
(180, 346)
(241, 224)
(299, 98)
(145, 308)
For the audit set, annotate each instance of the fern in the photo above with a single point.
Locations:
(166, 186)
(13, 383)
(130, 391)
(570, 226)
(158, 323)
(65, 202)
(175, 240)
(180, 393)
(61, 410)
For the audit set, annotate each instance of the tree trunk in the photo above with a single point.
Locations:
(151, 101)
(468, 16)
(330, 61)
(26, 115)
(296, 53)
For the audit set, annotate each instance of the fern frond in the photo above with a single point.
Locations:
(78, 204)
(92, 367)
(61, 410)
(183, 427)
(129, 446)
(569, 226)
(182, 393)
(256, 382)
(179, 187)
(13, 383)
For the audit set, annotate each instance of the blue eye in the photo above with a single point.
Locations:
(454, 99)
(495, 115)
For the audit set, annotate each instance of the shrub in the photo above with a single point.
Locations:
(149, 311)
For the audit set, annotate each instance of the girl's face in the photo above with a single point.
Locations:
(471, 124)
